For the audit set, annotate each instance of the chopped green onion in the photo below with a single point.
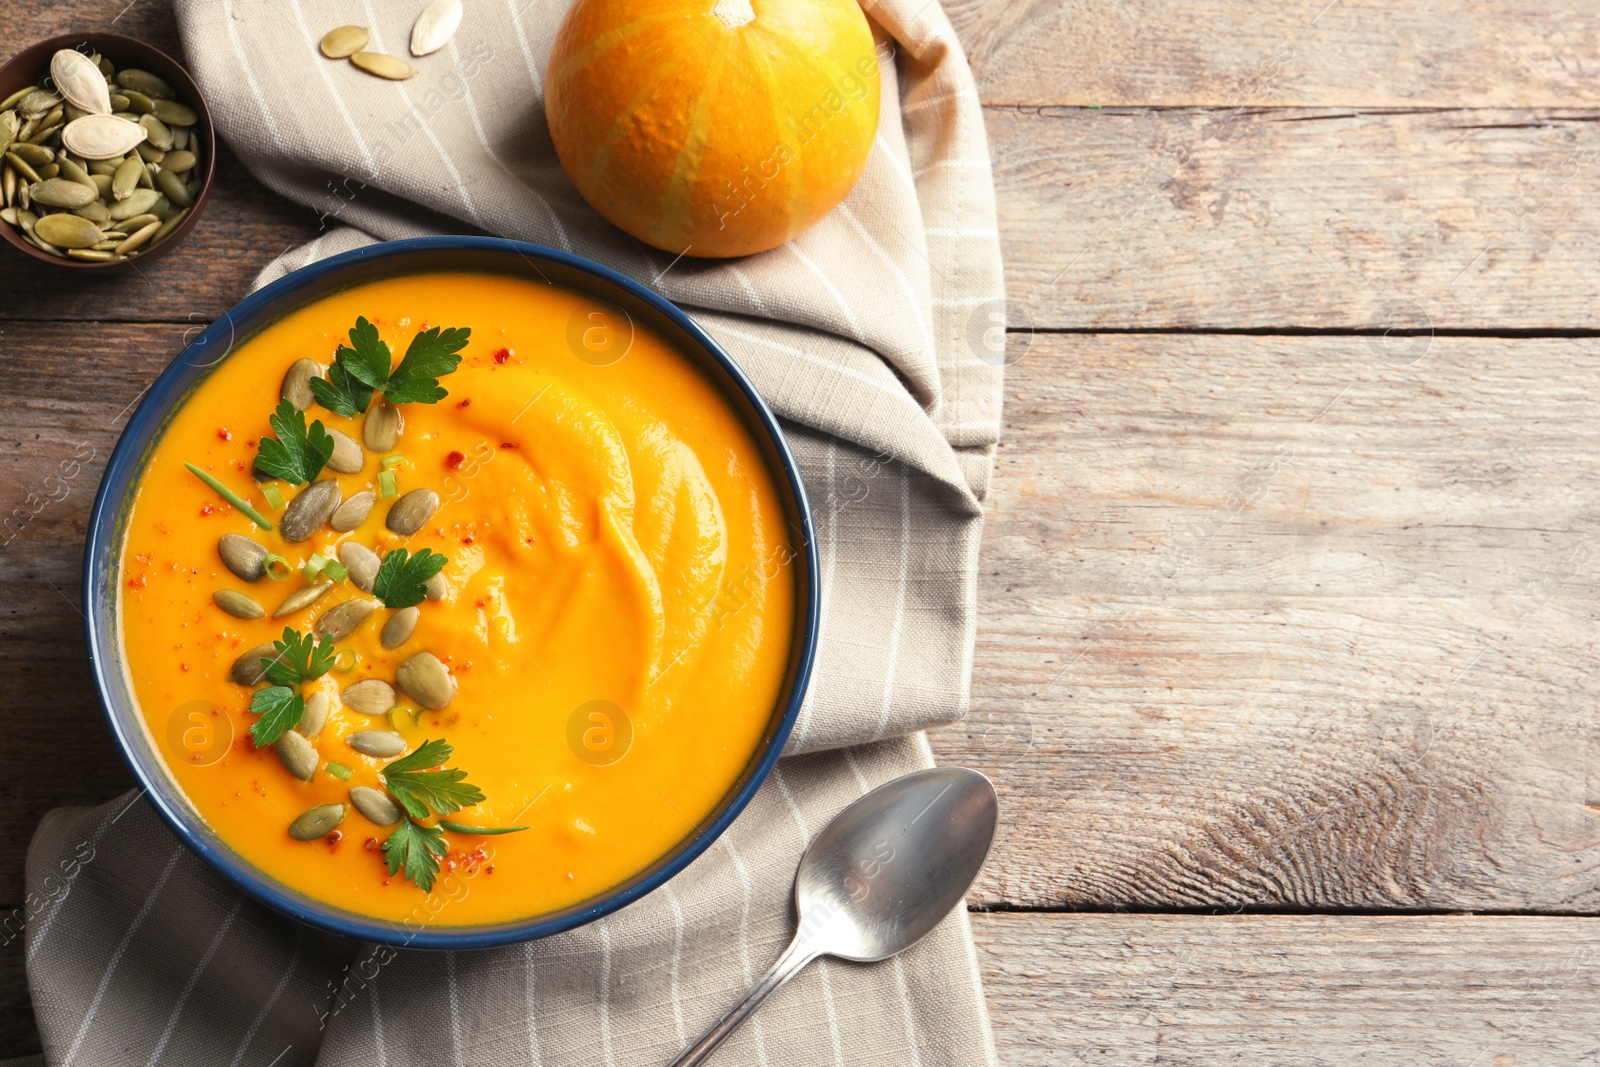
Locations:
(402, 718)
(274, 498)
(335, 570)
(339, 770)
(483, 831)
(231, 497)
(392, 460)
(313, 566)
(276, 566)
(346, 660)
(386, 486)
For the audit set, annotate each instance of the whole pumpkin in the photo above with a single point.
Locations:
(713, 127)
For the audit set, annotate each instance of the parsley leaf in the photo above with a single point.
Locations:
(403, 577)
(300, 658)
(417, 849)
(297, 455)
(417, 789)
(363, 366)
(432, 353)
(280, 709)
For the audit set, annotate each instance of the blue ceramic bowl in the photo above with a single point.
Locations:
(107, 520)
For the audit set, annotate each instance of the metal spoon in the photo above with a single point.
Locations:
(881, 875)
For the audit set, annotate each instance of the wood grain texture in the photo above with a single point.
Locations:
(1271, 622)
(1313, 991)
(1327, 53)
(1286, 218)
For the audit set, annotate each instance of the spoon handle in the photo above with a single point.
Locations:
(794, 957)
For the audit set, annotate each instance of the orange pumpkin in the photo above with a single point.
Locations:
(716, 127)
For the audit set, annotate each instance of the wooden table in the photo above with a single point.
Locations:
(1285, 669)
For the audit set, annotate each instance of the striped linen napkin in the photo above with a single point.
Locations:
(873, 336)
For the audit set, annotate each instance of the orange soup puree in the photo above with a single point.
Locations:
(613, 536)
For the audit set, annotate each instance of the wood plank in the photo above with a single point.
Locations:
(1270, 622)
(1484, 991)
(1343, 53)
(1208, 219)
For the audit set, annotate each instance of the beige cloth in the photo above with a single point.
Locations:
(874, 336)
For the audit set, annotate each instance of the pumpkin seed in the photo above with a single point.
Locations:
(102, 186)
(104, 166)
(172, 222)
(382, 426)
(407, 514)
(135, 203)
(384, 66)
(320, 821)
(180, 137)
(342, 620)
(175, 114)
(16, 98)
(102, 136)
(426, 680)
(370, 696)
(296, 387)
(344, 42)
(126, 178)
(43, 246)
(374, 805)
(145, 82)
(138, 239)
(435, 26)
(68, 231)
(49, 170)
(61, 192)
(35, 155)
(105, 67)
(178, 162)
(119, 102)
(237, 604)
(379, 743)
(297, 755)
(38, 102)
(138, 222)
(315, 717)
(80, 81)
(138, 103)
(361, 562)
(92, 255)
(8, 185)
(251, 667)
(353, 512)
(46, 130)
(156, 132)
(397, 631)
(309, 511)
(95, 213)
(436, 587)
(149, 152)
(247, 559)
(173, 186)
(347, 456)
(9, 215)
(301, 599)
(27, 171)
(107, 245)
(72, 171)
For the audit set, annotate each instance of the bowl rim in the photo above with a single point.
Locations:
(48, 46)
(163, 791)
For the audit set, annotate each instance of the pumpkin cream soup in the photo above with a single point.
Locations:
(434, 621)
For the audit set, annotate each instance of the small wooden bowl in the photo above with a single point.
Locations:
(29, 67)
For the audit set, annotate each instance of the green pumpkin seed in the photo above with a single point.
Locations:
(105, 167)
(181, 138)
(175, 114)
(8, 185)
(370, 696)
(135, 203)
(137, 223)
(178, 161)
(73, 171)
(237, 604)
(353, 512)
(297, 755)
(35, 154)
(156, 132)
(43, 246)
(171, 223)
(106, 245)
(62, 192)
(397, 631)
(38, 102)
(384, 66)
(380, 744)
(309, 511)
(93, 255)
(144, 82)
(119, 102)
(138, 103)
(296, 387)
(102, 187)
(342, 620)
(49, 170)
(126, 178)
(374, 805)
(361, 562)
(44, 132)
(247, 559)
(16, 98)
(105, 66)
(172, 185)
(22, 166)
(139, 238)
(162, 208)
(315, 717)
(149, 152)
(68, 231)
(95, 213)
(251, 667)
(408, 514)
(320, 821)
(10, 216)
(344, 42)
(301, 599)
(426, 680)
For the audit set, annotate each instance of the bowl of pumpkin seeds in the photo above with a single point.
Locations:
(109, 151)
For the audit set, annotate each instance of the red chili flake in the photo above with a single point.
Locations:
(489, 869)
(251, 442)
(224, 433)
(370, 844)
(455, 459)
(507, 444)
(209, 509)
(501, 355)
(333, 840)
(467, 540)
(479, 603)
(143, 557)
(465, 403)
(136, 583)
(185, 667)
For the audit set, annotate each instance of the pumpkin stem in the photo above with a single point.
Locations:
(734, 13)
